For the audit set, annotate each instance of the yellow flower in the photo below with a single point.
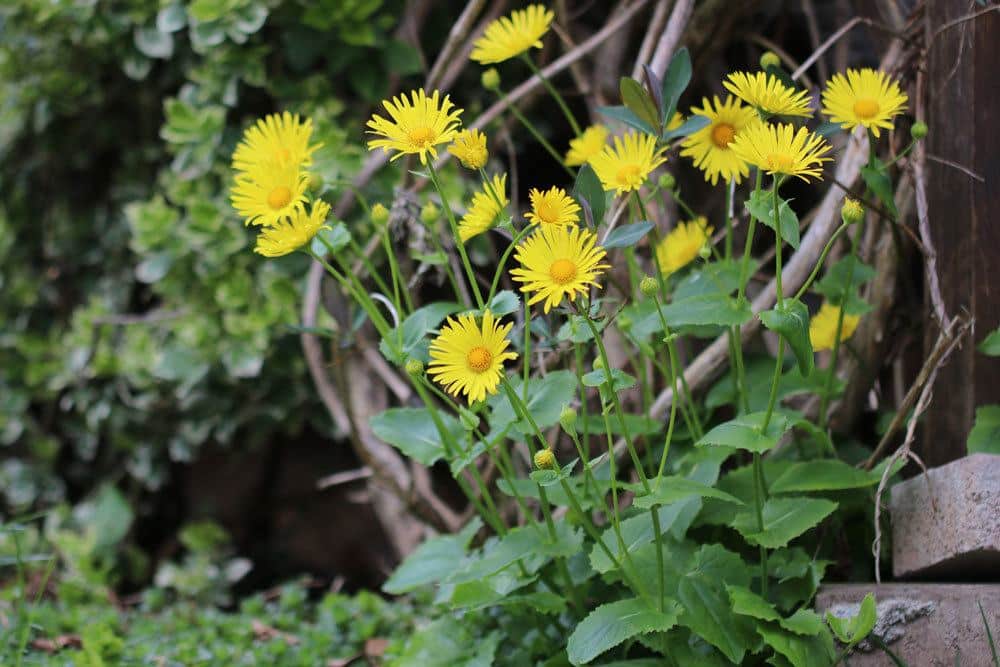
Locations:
(415, 125)
(290, 234)
(865, 97)
(681, 245)
(511, 36)
(269, 192)
(586, 146)
(626, 165)
(709, 148)
(823, 326)
(552, 207)
(467, 358)
(282, 139)
(470, 149)
(486, 205)
(767, 93)
(780, 149)
(558, 261)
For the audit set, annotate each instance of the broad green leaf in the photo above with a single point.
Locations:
(576, 330)
(822, 475)
(834, 282)
(747, 603)
(744, 432)
(588, 189)
(636, 424)
(112, 517)
(546, 398)
(675, 81)
(814, 651)
(714, 308)
(791, 320)
(154, 44)
(803, 622)
(550, 477)
(414, 331)
(985, 434)
(612, 623)
(337, 236)
(637, 100)
(877, 178)
(784, 520)
(519, 542)
(619, 379)
(674, 488)
(991, 344)
(687, 128)
(716, 277)
(432, 561)
(625, 115)
(853, 629)
(627, 235)
(761, 206)
(413, 432)
(504, 303)
(708, 613)
(445, 643)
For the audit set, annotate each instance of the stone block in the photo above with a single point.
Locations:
(925, 625)
(957, 535)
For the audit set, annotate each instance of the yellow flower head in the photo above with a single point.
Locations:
(467, 358)
(415, 125)
(486, 206)
(780, 149)
(823, 326)
(682, 245)
(865, 97)
(552, 207)
(511, 36)
(558, 261)
(470, 149)
(768, 93)
(281, 139)
(709, 148)
(269, 192)
(586, 146)
(626, 165)
(290, 234)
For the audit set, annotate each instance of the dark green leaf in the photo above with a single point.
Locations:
(761, 206)
(991, 344)
(625, 115)
(112, 517)
(853, 629)
(784, 520)
(588, 189)
(716, 277)
(822, 475)
(745, 432)
(675, 81)
(687, 128)
(791, 320)
(815, 651)
(707, 612)
(848, 269)
(504, 303)
(637, 100)
(985, 434)
(550, 477)
(612, 623)
(877, 179)
(546, 398)
(414, 330)
(674, 488)
(619, 379)
(412, 431)
(627, 235)
(432, 561)
(707, 309)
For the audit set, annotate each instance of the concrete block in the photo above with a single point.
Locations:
(958, 534)
(926, 625)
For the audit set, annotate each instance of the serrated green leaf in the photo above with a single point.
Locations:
(744, 432)
(822, 475)
(876, 177)
(588, 190)
(673, 488)
(747, 603)
(853, 629)
(991, 344)
(498, 553)
(637, 100)
(791, 320)
(708, 613)
(784, 520)
(612, 623)
(714, 308)
(627, 235)
(815, 651)
(985, 434)
(803, 622)
(432, 561)
(761, 206)
(413, 432)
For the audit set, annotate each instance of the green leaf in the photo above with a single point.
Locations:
(414, 331)
(432, 561)
(154, 44)
(519, 542)
(822, 475)
(708, 613)
(674, 488)
(761, 206)
(991, 344)
(744, 432)
(784, 520)
(985, 434)
(747, 603)
(853, 629)
(619, 379)
(876, 177)
(815, 651)
(638, 101)
(337, 237)
(675, 81)
(687, 128)
(636, 424)
(588, 191)
(834, 282)
(112, 517)
(546, 398)
(412, 431)
(550, 477)
(716, 277)
(803, 622)
(504, 303)
(715, 308)
(627, 235)
(791, 320)
(612, 623)
(625, 115)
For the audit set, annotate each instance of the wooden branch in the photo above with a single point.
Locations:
(671, 36)
(459, 32)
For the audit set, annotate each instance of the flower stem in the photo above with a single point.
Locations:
(536, 134)
(554, 93)
(470, 274)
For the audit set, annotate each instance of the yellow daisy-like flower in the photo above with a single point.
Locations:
(269, 192)
(864, 97)
(290, 234)
(511, 36)
(681, 245)
(467, 358)
(552, 207)
(282, 139)
(709, 148)
(486, 205)
(586, 146)
(415, 125)
(823, 326)
(470, 149)
(780, 149)
(626, 165)
(558, 261)
(768, 93)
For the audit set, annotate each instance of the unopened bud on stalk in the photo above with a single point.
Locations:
(852, 211)
(769, 59)
(705, 251)
(545, 459)
(429, 213)
(414, 367)
(379, 215)
(315, 182)
(490, 79)
(919, 131)
(667, 181)
(469, 419)
(598, 364)
(567, 419)
(649, 286)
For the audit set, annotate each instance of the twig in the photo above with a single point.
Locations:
(671, 36)
(458, 32)
(345, 477)
(649, 40)
(954, 165)
(961, 19)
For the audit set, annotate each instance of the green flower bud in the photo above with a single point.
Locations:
(852, 211)
(769, 59)
(379, 215)
(469, 419)
(598, 363)
(490, 79)
(919, 131)
(429, 213)
(414, 367)
(315, 182)
(545, 459)
(567, 419)
(667, 181)
(649, 286)
(705, 251)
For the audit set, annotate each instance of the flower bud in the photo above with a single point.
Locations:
(469, 419)
(769, 59)
(429, 213)
(705, 251)
(598, 364)
(667, 181)
(545, 459)
(490, 79)
(567, 418)
(919, 131)
(315, 182)
(379, 215)
(414, 367)
(649, 286)
(852, 211)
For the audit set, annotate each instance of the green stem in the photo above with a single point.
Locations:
(778, 243)
(729, 220)
(536, 134)
(357, 292)
(369, 267)
(759, 491)
(397, 274)
(470, 274)
(503, 261)
(822, 258)
(554, 93)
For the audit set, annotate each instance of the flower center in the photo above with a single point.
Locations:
(279, 197)
(479, 359)
(629, 175)
(722, 134)
(779, 162)
(866, 109)
(421, 136)
(546, 211)
(562, 271)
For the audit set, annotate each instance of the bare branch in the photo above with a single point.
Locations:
(671, 36)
